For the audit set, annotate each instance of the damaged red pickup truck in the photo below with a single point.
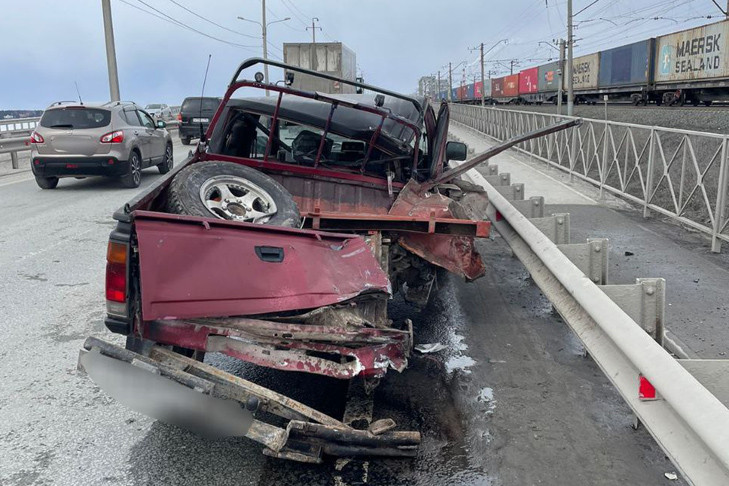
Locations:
(279, 242)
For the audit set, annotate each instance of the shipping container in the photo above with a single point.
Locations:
(584, 72)
(511, 85)
(454, 94)
(497, 87)
(469, 90)
(549, 77)
(693, 54)
(529, 81)
(333, 58)
(479, 88)
(626, 65)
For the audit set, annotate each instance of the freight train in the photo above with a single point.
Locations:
(691, 66)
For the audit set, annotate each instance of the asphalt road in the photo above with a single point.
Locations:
(510, 402)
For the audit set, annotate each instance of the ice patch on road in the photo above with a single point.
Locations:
(459, 362)
(486, 395)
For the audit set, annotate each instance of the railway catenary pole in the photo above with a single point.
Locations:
(570, 43)
(450, 81)
(560, 70)
(483, 94)
(110, 51)
(439, 98)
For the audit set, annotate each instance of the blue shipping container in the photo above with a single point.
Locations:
(469, 92)
(626, 65)
(454, 94)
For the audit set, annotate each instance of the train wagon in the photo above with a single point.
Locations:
(529, 86)
(692, 65)
(549, 79)
(484, 88)
(505, 89)
(625, 72)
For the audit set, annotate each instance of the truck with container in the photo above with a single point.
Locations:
(332, 58)
(279, 242)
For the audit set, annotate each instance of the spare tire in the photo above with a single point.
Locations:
(231, 191)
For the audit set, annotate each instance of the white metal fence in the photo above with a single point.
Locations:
(681, 174)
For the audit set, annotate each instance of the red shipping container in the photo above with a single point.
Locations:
(511, 85)
(497, 87)
(477, 87)
(529, 81)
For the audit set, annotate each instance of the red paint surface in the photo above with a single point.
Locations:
(477, 88)
(189, 271)
(529, 81)
(374, 359)
(646, 391)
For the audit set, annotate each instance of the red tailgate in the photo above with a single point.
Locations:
(196, 267)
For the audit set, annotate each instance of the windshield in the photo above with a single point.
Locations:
(75, 118)
(152, 107)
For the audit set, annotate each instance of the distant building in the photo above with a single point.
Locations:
(427, 86)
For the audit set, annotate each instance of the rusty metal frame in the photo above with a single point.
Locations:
(307, 437)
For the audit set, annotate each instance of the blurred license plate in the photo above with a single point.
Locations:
(200, 120)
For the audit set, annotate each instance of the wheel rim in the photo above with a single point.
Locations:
(168, 155)
(237, 199)
(135, 170)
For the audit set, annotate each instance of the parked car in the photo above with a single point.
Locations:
(195, 115)
(116, 139)
(160, 111)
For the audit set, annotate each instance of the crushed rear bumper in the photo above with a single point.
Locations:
(307, 436)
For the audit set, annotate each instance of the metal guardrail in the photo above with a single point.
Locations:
(11, 126)
(681, 174)
(622, 328)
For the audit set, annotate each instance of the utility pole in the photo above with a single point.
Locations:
(264, 37)
(265, 42)
(313, 29)
(439, 99)
(570, 43)
(110, 51)
(483, 94)
(560, 90)
(450, 82)
(512, 66)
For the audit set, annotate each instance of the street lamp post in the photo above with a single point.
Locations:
(264, 26)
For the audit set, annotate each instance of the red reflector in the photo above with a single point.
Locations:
(36, 161)
(72, 166)
(111, 161)
(116, 282)
(646, 391)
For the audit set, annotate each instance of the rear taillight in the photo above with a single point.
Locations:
(113, 137)
(179, 117)
(116, 278)
(36, 137)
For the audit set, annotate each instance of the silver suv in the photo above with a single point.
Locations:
(116, 139)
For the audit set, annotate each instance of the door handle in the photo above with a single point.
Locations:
(271, 254)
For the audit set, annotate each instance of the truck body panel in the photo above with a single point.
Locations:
(333, 58)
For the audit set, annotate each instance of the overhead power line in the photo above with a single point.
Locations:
(176, 22)
(211, 22)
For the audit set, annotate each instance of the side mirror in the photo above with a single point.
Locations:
(456, 151)
(161, 124)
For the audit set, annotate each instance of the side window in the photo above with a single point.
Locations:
(132, 118)
(146, 119)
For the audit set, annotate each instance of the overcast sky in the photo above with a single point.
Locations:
(49, 44)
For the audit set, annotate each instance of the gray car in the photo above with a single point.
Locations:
(116, 139)
(161, 111)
